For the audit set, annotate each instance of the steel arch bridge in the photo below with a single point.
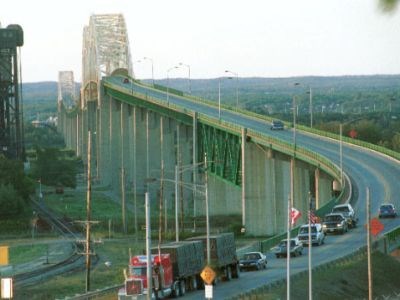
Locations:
(138, 130)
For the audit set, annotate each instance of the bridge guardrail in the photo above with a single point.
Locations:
(349, 140)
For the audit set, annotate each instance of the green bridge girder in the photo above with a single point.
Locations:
(223, 151)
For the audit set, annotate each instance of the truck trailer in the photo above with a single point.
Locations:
(223, 256)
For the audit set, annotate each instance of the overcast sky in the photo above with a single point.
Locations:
(268, 38)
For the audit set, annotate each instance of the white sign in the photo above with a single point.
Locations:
(6, 288)
(209, 291)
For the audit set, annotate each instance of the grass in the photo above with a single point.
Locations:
(24, 253)
(345, 281)
(115, 251)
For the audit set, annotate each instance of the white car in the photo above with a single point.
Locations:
(317, 234)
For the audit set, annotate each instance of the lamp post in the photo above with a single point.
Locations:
(341, 154)
(193, 186)
(219, 98)
(187, 66)
(152, 69)
(311, 108)
(169, 70)
(237, 87)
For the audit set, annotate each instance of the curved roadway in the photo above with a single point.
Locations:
(366, 168)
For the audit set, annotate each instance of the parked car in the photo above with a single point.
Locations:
(296, 248)
(348, 212)
(253, 260)
(317, 234)
(387, 210)
(277, 125)
(335, 222)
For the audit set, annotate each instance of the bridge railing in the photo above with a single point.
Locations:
(349, 140)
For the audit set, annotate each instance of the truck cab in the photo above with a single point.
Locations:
(136, 281)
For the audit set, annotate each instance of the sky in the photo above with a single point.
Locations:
(253, 38)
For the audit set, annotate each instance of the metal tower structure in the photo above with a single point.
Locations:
(105, 50)
(66, 89)
(11, 121)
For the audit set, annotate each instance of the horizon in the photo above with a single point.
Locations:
(257, 39)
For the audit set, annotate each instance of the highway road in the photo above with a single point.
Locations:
(366, 169)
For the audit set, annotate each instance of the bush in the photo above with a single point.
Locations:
(10, 202)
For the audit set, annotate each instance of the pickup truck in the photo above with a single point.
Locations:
(296, 248)
(317, 234)
(348, 212)
(335, 222)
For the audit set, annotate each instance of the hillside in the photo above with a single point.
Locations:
(347, 94)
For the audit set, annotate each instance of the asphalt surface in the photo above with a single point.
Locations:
(366, 168)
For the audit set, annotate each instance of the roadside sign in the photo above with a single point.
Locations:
(6, 288)
(208, 275)
(3, 255)
(208, 288)
(376, 226)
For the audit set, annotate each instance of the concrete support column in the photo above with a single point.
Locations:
(323, 186)
(282, 191)
(141, 150)
(244, 134)
(302, 188)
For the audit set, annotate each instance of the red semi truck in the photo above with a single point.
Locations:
(176, 267)
(175, 271)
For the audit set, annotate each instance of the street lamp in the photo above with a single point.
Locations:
(187, 66)
(152, 69)
(169, 70)
(237, 87)
(311, 108)
(219, 98)
(193, 186)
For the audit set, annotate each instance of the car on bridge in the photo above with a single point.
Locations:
(317, 234)
(296, 248)
(348, 212)
(253, 260)
(387, 210)
(277, 125)
(335, 222)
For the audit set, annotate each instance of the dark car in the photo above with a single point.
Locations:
(296, 248)
(277, 125)
(253, 260)
(387, 211)
(335, 222)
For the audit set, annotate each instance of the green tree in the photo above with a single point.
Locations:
(54, 168)
(12, 173)
(11, 202)
(396, 142)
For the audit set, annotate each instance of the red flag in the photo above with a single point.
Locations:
(294, 215)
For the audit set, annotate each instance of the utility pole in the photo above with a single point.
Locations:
(369, 247)
(88, 214)
(88, 221)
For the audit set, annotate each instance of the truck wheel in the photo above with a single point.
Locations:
(175, 290)
(228, 272)
(182, 288)
(236, 271)
(194, 283)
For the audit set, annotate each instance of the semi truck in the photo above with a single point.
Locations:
(176, 267)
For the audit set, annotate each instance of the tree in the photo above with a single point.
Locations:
(12, 173)
(53, 168)
(11, 202)
(388, 5)
(396, 142)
